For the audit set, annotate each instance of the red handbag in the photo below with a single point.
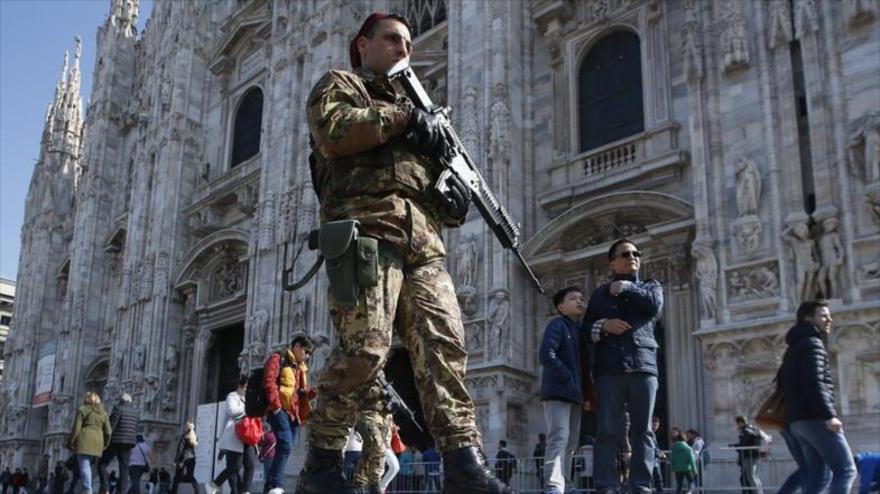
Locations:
(249, 430)
(396, 444)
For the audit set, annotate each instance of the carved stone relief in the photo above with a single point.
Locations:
(753, 283)
(707, 274)
(864, 160)
(806, 18)
(692, 45)
(497, 324)
(734, 38)
(469, 121)
(474, 340)
(779, 23)
(267, 222)
(228, 279)
(802, 248)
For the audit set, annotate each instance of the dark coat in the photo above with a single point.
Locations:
(635, 350)
(806, 375)
(560, 357)
(124, 421)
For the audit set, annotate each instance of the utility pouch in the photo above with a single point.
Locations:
(352, 260)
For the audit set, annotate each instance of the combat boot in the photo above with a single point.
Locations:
(467, 473)
(322, 474)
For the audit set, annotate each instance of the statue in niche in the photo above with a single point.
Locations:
(169, 400)
(466, 265)
(831, 256)
(734, 44)
(804, 249)
(139, 357)
(151, 391)
(864, 159)
(707, 273)
(747, 231)
(499, 311)
(748, 187)
(298, 315)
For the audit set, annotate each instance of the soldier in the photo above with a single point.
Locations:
(372, 162)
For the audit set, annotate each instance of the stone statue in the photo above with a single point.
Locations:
(171, 358)
(499, 311)
(151, 391)
(747, 231)
(748, 187)
(140, 357)
(707, 273)
(831, 255)
(804, 249)
(466, 265)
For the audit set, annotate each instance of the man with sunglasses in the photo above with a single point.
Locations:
(620, 318)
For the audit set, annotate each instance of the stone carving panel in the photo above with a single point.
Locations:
(734, 38)
(474, 340)
(747, 232)
(857, 350)
(753, 283)
(228, 279)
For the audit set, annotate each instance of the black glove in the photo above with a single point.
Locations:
(426, 133)
(457, 199)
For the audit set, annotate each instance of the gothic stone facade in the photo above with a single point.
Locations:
(751, 181)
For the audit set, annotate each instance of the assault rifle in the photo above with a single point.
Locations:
(459, 163)
(395, 403)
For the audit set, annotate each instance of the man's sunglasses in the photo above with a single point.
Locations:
(630, 254)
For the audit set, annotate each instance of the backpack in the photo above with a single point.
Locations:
(255, 400)
(765, 441)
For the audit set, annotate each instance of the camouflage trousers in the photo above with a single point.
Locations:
(375, 430)
(420, 298)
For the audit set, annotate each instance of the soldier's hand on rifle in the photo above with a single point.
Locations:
(426, 133)
(457, 198)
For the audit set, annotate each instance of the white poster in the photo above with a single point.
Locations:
(45, 375)
(206, 424)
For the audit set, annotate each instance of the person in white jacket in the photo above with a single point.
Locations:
(230, 445)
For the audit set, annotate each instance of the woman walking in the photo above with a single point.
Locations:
(231, 446)
(90, 434)
(185, 460)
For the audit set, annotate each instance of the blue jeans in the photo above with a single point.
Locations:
(801, 478)
(285, 432)
(822, 447)
(85, 463)
(634, 393)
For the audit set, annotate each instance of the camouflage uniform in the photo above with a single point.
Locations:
(364, 170)
(375, 430)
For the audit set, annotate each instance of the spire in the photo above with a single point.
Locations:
(56, 106)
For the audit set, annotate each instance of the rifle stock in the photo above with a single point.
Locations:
(461, 165)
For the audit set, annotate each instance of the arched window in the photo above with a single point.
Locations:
(424, 14)
(610, 91)
(248, 120)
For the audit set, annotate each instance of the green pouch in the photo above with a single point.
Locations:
(367, 262)
(336, 242)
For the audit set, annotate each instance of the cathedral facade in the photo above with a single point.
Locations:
(737, 143)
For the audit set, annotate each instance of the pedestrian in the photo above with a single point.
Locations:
(230, 445)
(798, 480)
(620, 318)
(152, 480)
(748, 453)
(659, 457)
(139, 464)
(684, 465)
(701, 452)
(60, 478)
(585, 472)
(354, 445)
(375, 161)
(5, 479)
(164, 480)
(809, 398)
(288, 394)
(90, 434)
(538, 455)
(71, 465)
(432, 469)
(17, 480)
(26, 481)
(125, 422)
(419, 470)
(42, 475)
(267, 452)
(561, 388)
(373, 428)
(394, 446)
(505, 463)
(112, 481)
(185, 458)
(405, 476)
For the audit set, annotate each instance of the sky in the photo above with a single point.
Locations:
(33, 37)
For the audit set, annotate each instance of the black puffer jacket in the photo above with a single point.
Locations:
(806, 375)
(124, 421)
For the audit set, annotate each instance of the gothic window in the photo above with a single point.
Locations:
(248, 120)
(424, 14)
(610, 91)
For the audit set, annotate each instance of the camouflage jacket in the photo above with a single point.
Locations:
(363, 169)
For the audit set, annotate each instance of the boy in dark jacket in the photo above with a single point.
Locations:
(561, 391)
(620, 320)
(809, 400)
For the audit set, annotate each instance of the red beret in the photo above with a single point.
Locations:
(368, 24)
